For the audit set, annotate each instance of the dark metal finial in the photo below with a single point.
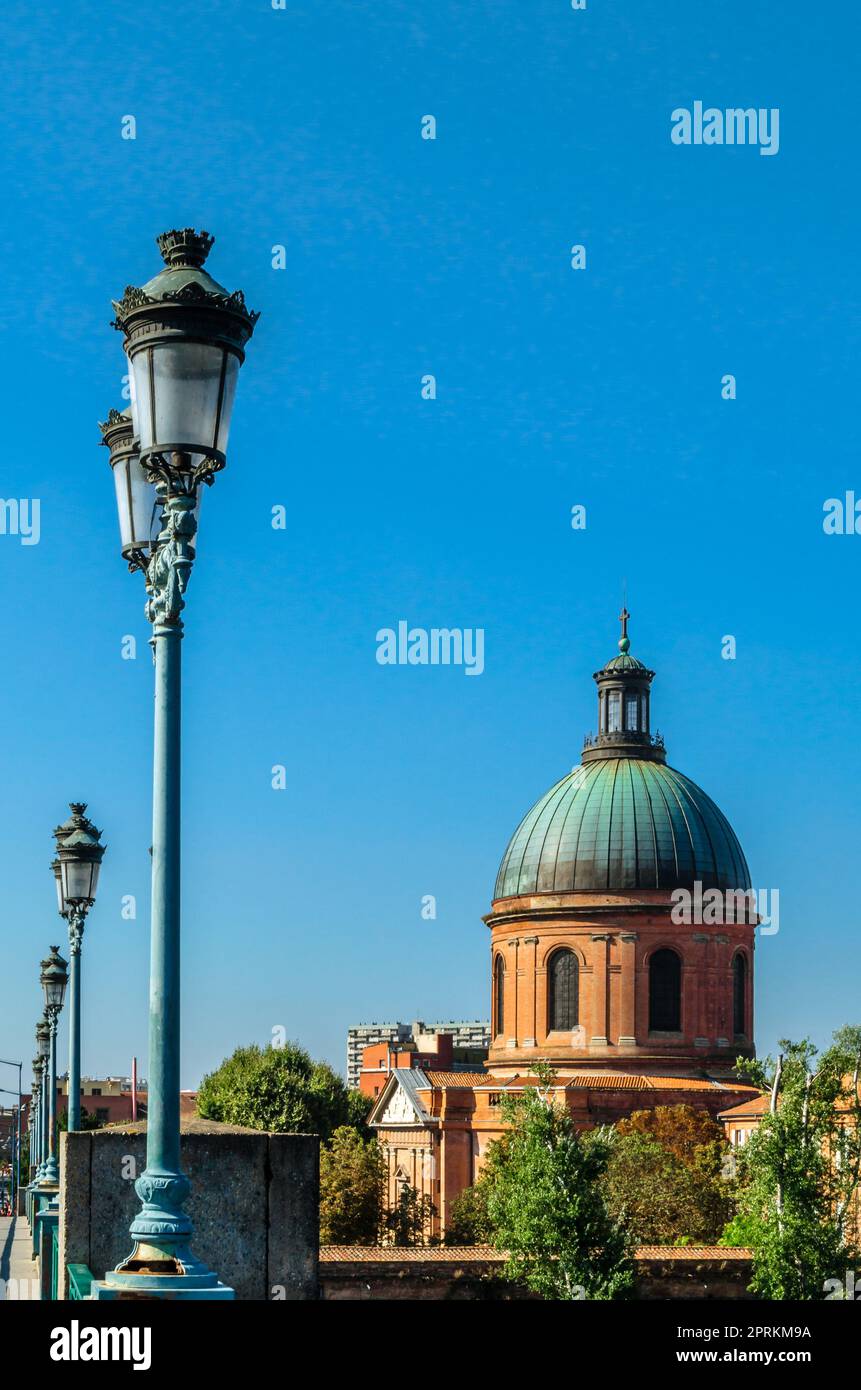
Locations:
(624, 640)
(184, 247)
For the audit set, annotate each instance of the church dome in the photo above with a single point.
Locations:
(623, 820)
(618, 824)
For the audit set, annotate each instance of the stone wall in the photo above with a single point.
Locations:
(475, 1272)
(254, 1203)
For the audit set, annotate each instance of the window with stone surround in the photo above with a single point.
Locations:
(739, 995)
(665, 992)
(563, 991)
(498, 995)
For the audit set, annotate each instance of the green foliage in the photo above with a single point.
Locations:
(664, 1177)
(800, 1169)
(407, 1222)
(468, 1220)
(352, 1175)
(359, 1108)
(743, 1230)
(279, 1089)
(546, 1206)
(88, 1120)
(681, 1129)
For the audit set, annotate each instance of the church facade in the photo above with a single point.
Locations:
(597, 960)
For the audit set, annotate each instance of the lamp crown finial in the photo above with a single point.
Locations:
(184, 247)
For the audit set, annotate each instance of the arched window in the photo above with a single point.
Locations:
(563, 991)
(499, 993)
(739, 995)
(665, 992)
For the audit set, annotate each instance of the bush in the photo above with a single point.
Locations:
(280, 1089)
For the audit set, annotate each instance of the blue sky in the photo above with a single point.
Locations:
(602, 387)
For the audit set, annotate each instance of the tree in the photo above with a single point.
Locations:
(800, 1169)
(664, 1178)
(546, 1206)
(407, 1222)
(468, 1216)
(352, 1174)
(88, 1120)
(468, 1220)
(661, 1200)
(282, 1090)
(679, 1128)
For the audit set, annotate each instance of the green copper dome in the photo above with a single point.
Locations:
(624, 662)
(622, 820)
(622, 823)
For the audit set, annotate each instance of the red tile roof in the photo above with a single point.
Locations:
(693, 1252)
(440, 1080)
(753, 1108)
(486, 1254)
(415, 1254)
(620, 1081)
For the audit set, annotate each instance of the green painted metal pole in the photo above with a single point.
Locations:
(163, 1094)
(162, 1229)
(74, 1102)
(44, 1138)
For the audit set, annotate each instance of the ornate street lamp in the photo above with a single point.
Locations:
(76, 874)
(35, 1120)
(43, 1052)
(138, 508)
(54, 978)
(185, 338)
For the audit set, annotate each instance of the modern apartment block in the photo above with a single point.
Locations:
(470, 1041)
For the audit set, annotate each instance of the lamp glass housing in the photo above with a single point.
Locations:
(79, 879)
(58, 883)
(138, 508)
(55, 991)
(183, 397)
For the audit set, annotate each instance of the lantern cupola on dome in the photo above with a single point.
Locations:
(624, 715)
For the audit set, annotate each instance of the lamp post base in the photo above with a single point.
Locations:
(154, 1271)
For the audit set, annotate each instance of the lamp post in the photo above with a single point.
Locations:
(35, 1121)
(43, 1051)
(76, 873)
(54, 978)
(185, 337)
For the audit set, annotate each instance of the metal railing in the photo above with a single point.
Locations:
(80, 1281)
(54, 1248)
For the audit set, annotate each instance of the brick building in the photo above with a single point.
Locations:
(595, 964)
(109, 1098)
(470, 1041)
